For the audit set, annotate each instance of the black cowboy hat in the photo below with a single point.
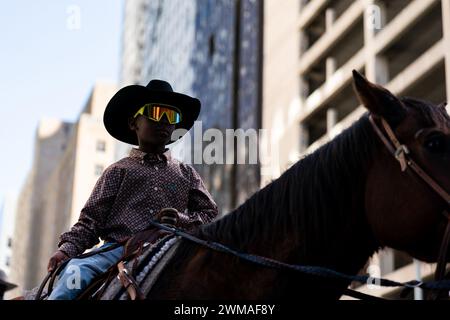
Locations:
(5, 284)
(128, 100)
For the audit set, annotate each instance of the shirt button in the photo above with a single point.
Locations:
(156, 168)
(151, 210)
(155, 188)
(142, 161)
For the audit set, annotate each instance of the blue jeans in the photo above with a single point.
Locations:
(78, 273)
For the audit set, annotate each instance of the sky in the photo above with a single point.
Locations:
(51, 54)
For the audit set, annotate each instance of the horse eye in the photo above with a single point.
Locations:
(435, 144)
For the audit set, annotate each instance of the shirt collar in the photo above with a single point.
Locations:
(141, 155)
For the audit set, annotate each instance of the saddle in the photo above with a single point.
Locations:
(147, 241)
(133, 250)
(139, 252)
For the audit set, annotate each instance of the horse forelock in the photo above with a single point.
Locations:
(429, 113)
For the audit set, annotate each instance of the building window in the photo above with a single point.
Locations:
(212, 46)
(101, 146)
(98, 169)
(9, 242)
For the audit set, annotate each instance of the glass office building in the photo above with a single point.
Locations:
(210, 49)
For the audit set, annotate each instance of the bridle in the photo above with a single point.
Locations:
(403, 156)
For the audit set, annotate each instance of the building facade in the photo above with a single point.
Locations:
(68, 160)
(50, 144)
(7, 213)
(207, 49)
(228, 63)
(310, 50)
(133, 35)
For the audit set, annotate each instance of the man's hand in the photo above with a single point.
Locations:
(56, 260)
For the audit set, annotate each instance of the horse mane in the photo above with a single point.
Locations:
(317, 197)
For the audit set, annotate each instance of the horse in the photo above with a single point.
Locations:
(334, 208)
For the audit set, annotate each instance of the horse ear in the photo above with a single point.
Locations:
(378, 100)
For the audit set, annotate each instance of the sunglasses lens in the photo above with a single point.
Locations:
(156, 112)
(177, 118)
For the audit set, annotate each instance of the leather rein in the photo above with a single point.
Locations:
(402, 154)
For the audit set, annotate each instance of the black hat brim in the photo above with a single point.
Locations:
(127, 101)
(8, 286)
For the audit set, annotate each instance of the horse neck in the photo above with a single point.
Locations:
(314, 213)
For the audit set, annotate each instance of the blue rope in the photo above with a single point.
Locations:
(311, 270)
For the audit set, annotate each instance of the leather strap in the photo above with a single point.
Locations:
(402, 154)
(129, 283)
(362, 296)
(441, 267)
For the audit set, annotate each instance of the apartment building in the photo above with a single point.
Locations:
(69, 158)
(310, 49)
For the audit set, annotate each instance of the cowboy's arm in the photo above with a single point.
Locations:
(201, 206)
(85, 233)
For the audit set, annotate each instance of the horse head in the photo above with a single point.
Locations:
(404, 211)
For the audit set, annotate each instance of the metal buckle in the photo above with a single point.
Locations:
(402, 150)
(400, 154)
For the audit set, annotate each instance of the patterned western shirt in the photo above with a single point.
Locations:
(133, 190)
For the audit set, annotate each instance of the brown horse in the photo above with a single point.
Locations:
(335, 208)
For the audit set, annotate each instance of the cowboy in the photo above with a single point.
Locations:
(135, 189)
(4, 285)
